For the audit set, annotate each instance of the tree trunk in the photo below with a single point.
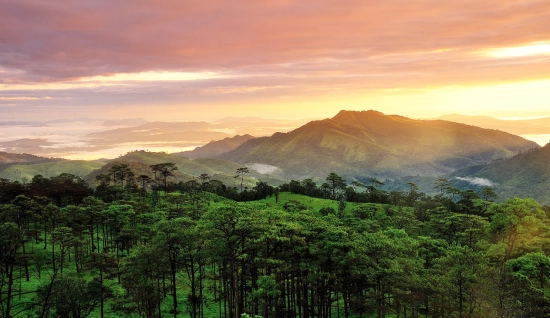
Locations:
(236, 299)
(10, 285)
(101, 293)
(174, 290)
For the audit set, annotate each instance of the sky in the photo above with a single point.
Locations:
(202, 60)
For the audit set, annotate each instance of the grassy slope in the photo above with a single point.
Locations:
(312, 204)
(51, 169)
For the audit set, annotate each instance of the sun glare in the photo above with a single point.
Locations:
(520, 51)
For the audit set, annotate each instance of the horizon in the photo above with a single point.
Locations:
(79, 142)
(220, 118)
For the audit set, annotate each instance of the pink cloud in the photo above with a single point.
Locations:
(51, 40)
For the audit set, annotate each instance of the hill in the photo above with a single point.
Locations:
(524, 175)
(223, 170)
(18, 172)
(214, 149)
(369, 143)
(9, 158)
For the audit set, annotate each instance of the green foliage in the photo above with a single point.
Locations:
(70, 295)
(139, 163)
(534, 267)
(518, 224)
(190, 252)
(294, 206)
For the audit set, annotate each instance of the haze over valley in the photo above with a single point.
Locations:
(87, 138)
(356, 145)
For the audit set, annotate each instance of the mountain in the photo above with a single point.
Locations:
(525, 175)
(369, 143)
(214, 149)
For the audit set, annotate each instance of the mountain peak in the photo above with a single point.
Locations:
(370, 143)
(346, 114)
(370, 119)
(352, 117)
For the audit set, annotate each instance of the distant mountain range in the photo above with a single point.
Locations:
(356, 145)
(188, 133)
(88, 138)
(369, 143)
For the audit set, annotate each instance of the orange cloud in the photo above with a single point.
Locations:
(113, 55)
(52, 40)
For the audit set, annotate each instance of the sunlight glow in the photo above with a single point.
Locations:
(503, 100)
(541, 139)
(116, 79)
(540, 48)
(154, 76)
(522, 117)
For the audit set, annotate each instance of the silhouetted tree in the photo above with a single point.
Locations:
(241, 172)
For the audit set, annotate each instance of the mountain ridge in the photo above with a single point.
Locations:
(215, 147)
(368, 142)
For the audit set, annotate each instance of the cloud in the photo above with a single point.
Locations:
(25, 145)
(519, 51)
(12, 98)
(280, 56)
(263, 168)
(477, 181)
(54, 41)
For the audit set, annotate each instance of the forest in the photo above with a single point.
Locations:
(140, 246)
